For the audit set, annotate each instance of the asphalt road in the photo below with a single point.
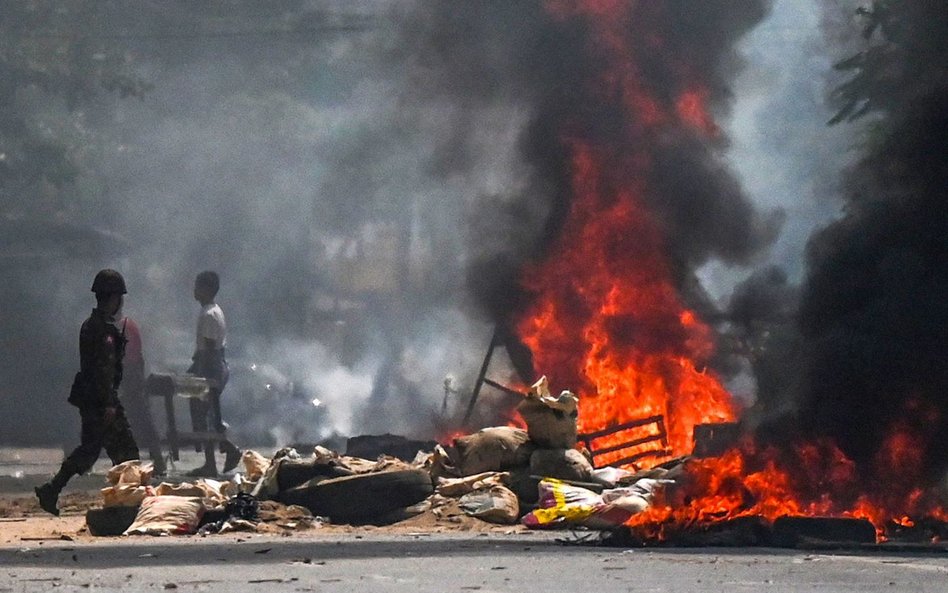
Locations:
(440, 563)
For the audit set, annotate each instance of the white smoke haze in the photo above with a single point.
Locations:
(345, 185)
(781, 148)
(307, 201)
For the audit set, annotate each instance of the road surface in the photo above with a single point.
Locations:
(419, 563)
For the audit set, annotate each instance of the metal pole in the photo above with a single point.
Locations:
(481, 375)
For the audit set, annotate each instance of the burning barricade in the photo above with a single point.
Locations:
(502, 471)
(729, 492)
(498, 474)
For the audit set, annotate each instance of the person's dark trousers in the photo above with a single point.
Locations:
(115, 437)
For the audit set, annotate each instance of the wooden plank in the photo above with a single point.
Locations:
(626, 445)
(591, 436)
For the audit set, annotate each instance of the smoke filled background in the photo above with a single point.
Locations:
(872, 309)
(369, 178)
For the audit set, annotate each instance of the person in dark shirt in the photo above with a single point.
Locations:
(95, 391)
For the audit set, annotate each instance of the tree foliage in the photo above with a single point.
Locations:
(906, 55)
(52, 55)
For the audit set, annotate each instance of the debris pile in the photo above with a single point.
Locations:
(538, 475)
(500, 475)
(132, 506)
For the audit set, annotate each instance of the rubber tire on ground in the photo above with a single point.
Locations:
(110, 520)
(293, 472)
(361, 497)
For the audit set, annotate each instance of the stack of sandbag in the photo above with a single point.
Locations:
(133, 507)
(130, 506)
(178, 509)
(501, 470)
(547, 448)
(128, 484)
(551, 426)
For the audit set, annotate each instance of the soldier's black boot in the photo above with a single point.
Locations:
(48, 493)
(48, 498)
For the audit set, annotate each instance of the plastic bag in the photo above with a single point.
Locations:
(609, 476)
(646, 488)
(621, 504)
(560, 502)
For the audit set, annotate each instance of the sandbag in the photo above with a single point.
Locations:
(125, 495)
(551, 421)
(167, 515)
(493, 449)
(129, 484)
(215, 493)
(444, 462)
(563, 464)
(495, 505)
(454, 487)
(132, 472)
(255, 464)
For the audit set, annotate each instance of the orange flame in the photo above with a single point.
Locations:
(607, 319)
(607, 322)
(813, 479)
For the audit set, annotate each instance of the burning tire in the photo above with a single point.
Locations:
(361, 497)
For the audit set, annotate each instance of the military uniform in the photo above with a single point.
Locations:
(95, 391)
(101, 349)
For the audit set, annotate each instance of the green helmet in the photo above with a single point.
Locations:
(108, 282)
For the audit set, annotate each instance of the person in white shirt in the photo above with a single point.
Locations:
(209, 362)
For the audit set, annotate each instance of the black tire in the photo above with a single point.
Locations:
(361, 497)
(293, 472)
(110, 520)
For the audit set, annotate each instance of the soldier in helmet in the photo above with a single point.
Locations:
(95, 391)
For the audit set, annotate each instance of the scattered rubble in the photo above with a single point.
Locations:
(498, 474)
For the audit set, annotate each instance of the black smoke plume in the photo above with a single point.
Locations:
(873, 309)
(489, 52)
